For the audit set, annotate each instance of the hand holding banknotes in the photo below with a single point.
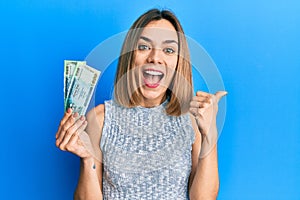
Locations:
(67, 136)
(79, 83)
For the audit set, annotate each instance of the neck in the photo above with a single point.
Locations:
(149, 103)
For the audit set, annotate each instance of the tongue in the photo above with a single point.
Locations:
(151, 79)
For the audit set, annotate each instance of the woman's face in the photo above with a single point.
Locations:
(156, 58)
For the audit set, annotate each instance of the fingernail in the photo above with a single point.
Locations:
(82, 118)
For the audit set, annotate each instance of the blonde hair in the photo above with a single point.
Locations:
(180, 91)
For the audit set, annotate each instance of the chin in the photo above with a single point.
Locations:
(155, 95)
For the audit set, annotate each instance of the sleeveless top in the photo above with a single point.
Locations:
(146, 153)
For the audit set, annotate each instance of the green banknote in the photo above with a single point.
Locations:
(82, 84)
(69, 68)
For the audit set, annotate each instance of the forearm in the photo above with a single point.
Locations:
(205, 184)
(206, 181)
(89, 185)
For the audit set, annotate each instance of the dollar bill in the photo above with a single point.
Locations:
(69, 68)
(83, 83)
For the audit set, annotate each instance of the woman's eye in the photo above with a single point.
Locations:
(143, 47)
(169, 50)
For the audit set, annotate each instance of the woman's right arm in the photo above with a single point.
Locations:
(72, 136)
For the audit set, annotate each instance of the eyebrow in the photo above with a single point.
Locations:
(165, 42)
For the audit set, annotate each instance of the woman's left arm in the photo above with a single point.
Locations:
(204, 180)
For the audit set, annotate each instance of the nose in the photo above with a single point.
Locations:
(155, 56)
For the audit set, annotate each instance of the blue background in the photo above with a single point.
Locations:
(255, 45)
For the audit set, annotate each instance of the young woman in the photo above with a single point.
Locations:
(154, 140)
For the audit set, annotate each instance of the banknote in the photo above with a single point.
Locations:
(82, 86)
(69, 68)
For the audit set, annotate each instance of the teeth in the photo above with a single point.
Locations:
(153, 73)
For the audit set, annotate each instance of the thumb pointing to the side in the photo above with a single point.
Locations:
(220, 94)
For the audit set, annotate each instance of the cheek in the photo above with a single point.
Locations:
(140, 59)
(172, 63)
(169, 74)
(171, 66)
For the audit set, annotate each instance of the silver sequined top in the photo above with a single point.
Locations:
(146, 153)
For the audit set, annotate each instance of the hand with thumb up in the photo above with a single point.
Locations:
(204, 106)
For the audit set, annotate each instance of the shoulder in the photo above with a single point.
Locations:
(95, 119)
(98, 112)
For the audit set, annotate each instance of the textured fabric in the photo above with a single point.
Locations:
(146, 153)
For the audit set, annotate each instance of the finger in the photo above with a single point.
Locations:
(71, 130)
(199, 104)
(66, 116)
(204, 94)
(73, 141)
(64, 128)
(78, 126)
(201, 98)
(194, 111)
(197, 112)
(82, 127)
(220, 94)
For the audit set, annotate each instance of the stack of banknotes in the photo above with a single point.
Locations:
(80, 81)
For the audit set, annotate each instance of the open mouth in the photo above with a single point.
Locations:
(152, 77)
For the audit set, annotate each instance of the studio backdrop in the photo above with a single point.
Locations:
(249, 48)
